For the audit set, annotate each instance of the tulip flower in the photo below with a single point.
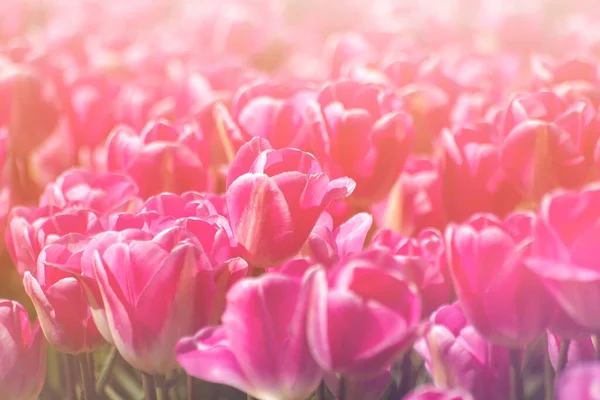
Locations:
(27, 110)
(273, 112)
(101, 193)
(59, 299)
(578, 382)
(501, 297)
(415, 202)
(430, 393)
(422, 261)
(472, 178)
(563, 253)
(261, 346)
(456, 356)
(23, 352)
(366, 296)
(361, 131)
(274, 198)
(162, 158)
(538, 157)
(31, 228)
(152, 296)
(327, 245)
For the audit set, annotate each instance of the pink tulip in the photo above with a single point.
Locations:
(30, 229)
(162, 158)
(365, 295)
(472, 178)
(417, 202)
(59, 299)
(578, 382)
(430, 393)
(102, 193)
(361, 131)
(261, 346)
(27, 110)
(580, 350)
(327, 246)
(538, 157)
(564, 244)
(147, 313)
(274, 112)
(456, 356)
(422, 260)
(23, 352)
(501, 297)
(274, 199)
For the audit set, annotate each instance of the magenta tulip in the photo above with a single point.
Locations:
(22, 352)
(327, 246)
(430, 393)
(274, 199)
(365, 295)
(102, 193)
(261, 346)
(501, 297)
(472, 178)
(422, 260)
(59, 299)
(456, 356)
(563, 253)
(578, 382)
(362, 132)
(153, 295)
(31, 228)
(162, 158)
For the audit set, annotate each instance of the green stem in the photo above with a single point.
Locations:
(191, 386)
(516, 379)
(321, 395)
(106, 371)
(342, 389)
(548, 376)
(149, 386)
(563, 355)
(91, 369)
(89, 391)
(406, 368)
(162, 392)
(70, 376)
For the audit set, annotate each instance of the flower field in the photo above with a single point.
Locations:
(300, 200)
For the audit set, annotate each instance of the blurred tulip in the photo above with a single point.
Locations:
(472, 178)
(327, 246)
(377, 304)
(361, 131)
(415, 202)
(101, 193)
(23, 352)
(501, 297)
(261, 347)
(563, 253)
(427, 393)
(274, 199)
(162, 158)
(578, 382)
(456, 356)
(59, 299)
(422, 260)
(580, 350)
(538, 157)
